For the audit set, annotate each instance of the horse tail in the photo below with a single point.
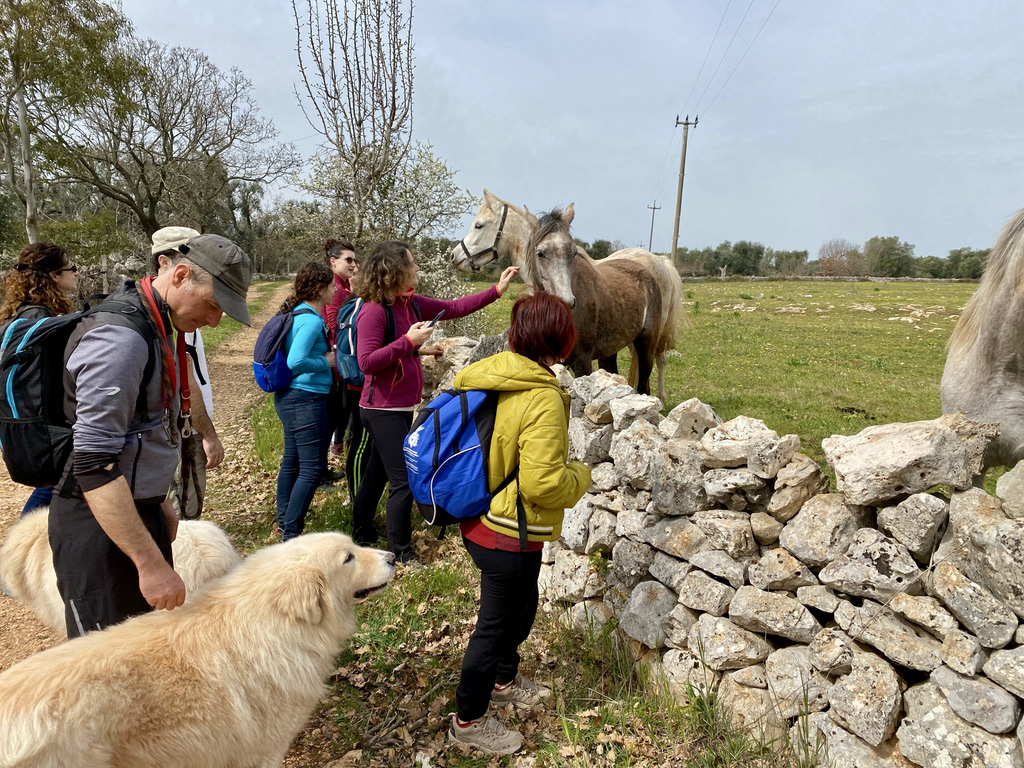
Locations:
(1005, 262)
(672, 304)
(634, 367)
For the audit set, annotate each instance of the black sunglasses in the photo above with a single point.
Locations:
(72, 268)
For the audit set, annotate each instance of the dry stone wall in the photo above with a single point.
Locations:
(883, 619)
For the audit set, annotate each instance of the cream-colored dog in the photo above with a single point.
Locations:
(202, 552)
(225, 681)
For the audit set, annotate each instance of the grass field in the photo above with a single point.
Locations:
(810, 358)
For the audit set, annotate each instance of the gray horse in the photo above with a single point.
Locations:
(984, 374)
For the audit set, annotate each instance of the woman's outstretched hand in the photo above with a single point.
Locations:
(506, 279)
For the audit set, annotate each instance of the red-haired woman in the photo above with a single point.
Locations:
(39, 286)
(531, 432)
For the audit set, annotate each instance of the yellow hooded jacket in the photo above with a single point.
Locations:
(531, 430)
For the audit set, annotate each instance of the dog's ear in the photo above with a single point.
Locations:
(300, 593)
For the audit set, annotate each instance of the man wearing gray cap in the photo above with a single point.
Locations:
(111, 525)
(203, 445)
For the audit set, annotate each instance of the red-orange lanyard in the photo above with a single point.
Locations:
(174, 376)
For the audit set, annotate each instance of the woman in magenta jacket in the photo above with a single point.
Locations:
(394, 377)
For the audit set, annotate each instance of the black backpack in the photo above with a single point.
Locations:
(35, 434)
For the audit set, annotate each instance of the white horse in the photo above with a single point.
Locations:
(984, 374)
(631, 298)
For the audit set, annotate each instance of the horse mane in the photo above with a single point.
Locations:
(548, 223)
(1005, 263)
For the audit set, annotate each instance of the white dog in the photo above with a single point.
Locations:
(225, 681)
(202, 552)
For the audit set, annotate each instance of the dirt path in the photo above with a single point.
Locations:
(234, 395)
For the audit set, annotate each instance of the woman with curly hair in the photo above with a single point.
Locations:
(36, 288)
(302, 406)
(391, 328)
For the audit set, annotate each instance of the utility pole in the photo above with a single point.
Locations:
(679, 193)
(652, 208)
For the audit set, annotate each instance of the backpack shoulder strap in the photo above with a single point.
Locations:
(133, 316)
(389, 330)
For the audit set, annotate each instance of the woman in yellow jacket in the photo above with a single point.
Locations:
(531, 433)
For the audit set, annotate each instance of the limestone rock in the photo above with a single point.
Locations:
(962, 653)
(588, 442)
(818, 597)
(632, 523)
(723, 645)
(677, 626)
(689, 421)
(669, 571)
(795, 686)
(753, 677)
(574, 578)
(576, 523)
(765, 527)
(978, 701)
(625, 410)
(916, 522)
(719, 563)
(926, 612)
(683, 670)
(728, 531)
(995, 559)
(868, 701)
(588, 617)
(831, 652)
(1010, 490)
(750, 709)
(728, 444)
(632, 449)
(796, 483)
(601, 532)
(702, 593)
(677, 478)
(890, 460)
(677, 536)
(774, 613)
(932, 734)
(823, 529)
(729, 487)
(631, 562)
(874, 566)
(845, 750)
(777, 569)
(966, 510)
(603, 476)
(767, 455)
(644, 617)
(1007, 669)
(984, 616)
(593, 386)
(897, 639)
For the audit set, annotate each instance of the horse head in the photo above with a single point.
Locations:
(549, 261)
(480, 246)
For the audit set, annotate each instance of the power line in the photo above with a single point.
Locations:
(722, 60)
(712, 45)
(741, 59)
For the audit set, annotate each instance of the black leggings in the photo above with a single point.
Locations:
(508, 607)
(387, 462)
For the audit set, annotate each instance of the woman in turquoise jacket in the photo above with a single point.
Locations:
(302, 407)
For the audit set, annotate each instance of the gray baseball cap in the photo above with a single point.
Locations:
(231, 270)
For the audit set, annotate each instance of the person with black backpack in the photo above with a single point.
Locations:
(39, 286)
(126, 396)
(302, 405)
(530, 441)
(391, 332)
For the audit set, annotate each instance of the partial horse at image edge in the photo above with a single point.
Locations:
(984, 372)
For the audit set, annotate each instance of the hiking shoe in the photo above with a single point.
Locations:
(486, 734)
(522, 692)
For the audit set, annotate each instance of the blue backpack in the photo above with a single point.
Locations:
(269, 357)
(446, 455)
(346, 338)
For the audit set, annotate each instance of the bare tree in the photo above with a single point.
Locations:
(355, 60)
(174, 143)
(840, 257)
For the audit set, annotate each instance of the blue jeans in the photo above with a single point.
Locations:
(40, 497)
(306, 437)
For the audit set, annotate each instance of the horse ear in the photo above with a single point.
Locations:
(568, 213)
(532, 220)
(487, 196)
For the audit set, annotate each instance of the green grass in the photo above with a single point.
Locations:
(814, 359)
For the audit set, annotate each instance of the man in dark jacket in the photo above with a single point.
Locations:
(111, 527)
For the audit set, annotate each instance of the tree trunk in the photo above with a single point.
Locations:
(31, 223)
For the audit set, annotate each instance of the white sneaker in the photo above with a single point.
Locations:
(523, 692)
(487, 735)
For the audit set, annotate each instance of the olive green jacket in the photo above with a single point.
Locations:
(531, 431)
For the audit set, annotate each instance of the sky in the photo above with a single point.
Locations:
(817, 120)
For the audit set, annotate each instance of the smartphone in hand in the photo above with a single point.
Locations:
(430, 323)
